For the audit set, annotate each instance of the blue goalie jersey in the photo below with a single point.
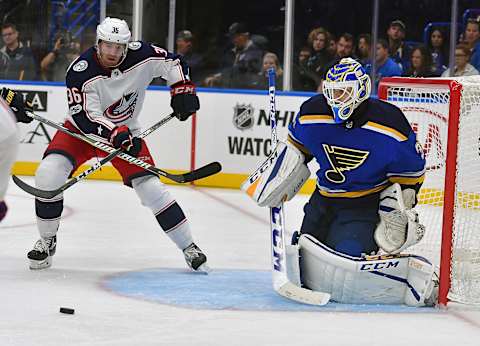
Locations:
(362, 156)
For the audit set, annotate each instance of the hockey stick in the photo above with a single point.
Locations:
(48, 194)
(202, 172)
(281, 284)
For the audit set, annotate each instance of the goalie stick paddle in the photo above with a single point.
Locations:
(199, 173)
(281, 284)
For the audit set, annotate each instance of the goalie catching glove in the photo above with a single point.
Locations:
(399, 227)
(279, 178)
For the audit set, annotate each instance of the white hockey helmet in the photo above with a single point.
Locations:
(114, 30)
(345, 87)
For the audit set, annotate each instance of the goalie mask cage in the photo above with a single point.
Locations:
(445, 114)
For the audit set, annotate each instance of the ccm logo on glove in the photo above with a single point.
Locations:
(184, 100)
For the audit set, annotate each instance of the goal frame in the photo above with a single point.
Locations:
(450, 183)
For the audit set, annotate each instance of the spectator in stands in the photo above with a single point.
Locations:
(241, 64)
(318, 40)
(472, 40)
(16, 60)
(439, 50)
(55, 64)
(399, 51)
(261, 82)
(303, 79)
(332, 46)
(462, 67)
(386, 67)
(420, 63)
(363, 51)
(184, 47)
(344, 46)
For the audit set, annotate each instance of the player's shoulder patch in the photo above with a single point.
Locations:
(135, 45)
(80, 66)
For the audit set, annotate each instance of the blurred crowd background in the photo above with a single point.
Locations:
(231, 44)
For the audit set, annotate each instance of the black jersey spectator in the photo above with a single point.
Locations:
(241, 64)
(363, 52)
(304, 79)
(420, 63)
(17, 61)
(318, 40)
(437, 45)
(185, 47)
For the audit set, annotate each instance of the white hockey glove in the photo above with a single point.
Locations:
(399, 227)
(279, 178)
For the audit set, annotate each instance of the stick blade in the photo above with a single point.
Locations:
(32, 190)
(302, 295)
(202, 172)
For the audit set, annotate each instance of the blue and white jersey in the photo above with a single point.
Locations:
(362, 156)
(100, 99)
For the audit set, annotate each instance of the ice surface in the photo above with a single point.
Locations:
(108, 244)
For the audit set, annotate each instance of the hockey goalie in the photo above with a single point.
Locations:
(360, 220)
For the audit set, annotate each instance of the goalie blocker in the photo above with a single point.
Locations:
(279, 178)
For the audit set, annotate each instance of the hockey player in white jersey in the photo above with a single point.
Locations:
(105, 90)
(12, 110)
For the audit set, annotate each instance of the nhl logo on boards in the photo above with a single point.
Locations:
(80, 66)
(134, 45)
(243, 116)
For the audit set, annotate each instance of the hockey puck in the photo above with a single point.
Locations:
(67, 311)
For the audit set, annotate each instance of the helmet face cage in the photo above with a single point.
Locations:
(114, 30)
(345, 87)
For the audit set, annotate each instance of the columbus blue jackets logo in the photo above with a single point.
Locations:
(80, 66)
(341, 160)
(243, 116)
(122, 109)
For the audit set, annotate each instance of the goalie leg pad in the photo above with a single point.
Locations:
(279, 178)
(390, 279)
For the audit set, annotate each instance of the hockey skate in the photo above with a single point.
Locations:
(196, 259)
(41, 255)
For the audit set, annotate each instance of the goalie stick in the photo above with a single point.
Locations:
(199, 173)
(281, 284)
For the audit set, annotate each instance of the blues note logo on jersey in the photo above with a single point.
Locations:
(341, 160)
(122, 109)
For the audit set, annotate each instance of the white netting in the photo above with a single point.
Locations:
(427, 108)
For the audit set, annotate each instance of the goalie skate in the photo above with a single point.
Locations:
(41, 255)
(196, 259)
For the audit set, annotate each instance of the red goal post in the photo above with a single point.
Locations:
(445, 114)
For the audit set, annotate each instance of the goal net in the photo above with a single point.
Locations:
(445, 114)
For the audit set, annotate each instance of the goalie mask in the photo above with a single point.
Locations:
(346, 86)
(113, 30)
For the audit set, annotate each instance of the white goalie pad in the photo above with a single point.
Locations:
(279, 178)
(387, 279)
(399, 227)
